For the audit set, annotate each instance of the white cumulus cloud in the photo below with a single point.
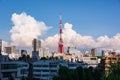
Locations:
(25, 28)
(72, 38)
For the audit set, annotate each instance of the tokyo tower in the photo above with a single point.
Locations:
(60, 43)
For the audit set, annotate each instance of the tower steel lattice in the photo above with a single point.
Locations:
(60, 43)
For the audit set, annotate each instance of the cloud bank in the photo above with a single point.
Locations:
(72, 38)
(25, 28)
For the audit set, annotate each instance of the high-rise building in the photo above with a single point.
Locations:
(46, 52)
(3, 44)
(36, 44)
(13, 49)
(93, 52)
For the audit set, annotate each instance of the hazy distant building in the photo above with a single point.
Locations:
(46, 52)
(23, 52)
(93, 52)
(13, 49)
(8, 50)
(72, 50)
(106, 52)
(3, 44)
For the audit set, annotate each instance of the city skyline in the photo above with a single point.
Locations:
(86, 24)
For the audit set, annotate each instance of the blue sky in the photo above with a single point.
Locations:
(89, 17)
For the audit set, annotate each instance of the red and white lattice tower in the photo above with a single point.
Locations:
(60, 43)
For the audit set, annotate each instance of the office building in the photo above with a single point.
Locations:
(93, 52)
(3, 44)
(36, 45)
(91, 61)
(47, 69)
(8, 50)
(13, 69)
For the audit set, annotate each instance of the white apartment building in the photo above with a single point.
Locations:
(73, 65)
(45, 69)
(14, 69)
(3, 44)
(91, 61)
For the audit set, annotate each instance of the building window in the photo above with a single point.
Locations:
(53, 70)
(93, 58)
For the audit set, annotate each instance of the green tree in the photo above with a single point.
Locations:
(80, 73)
(56, 78)
(64, 73)
(114, 72)
(97, 74)
(74, 75)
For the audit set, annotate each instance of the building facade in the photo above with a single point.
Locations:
(91, 61)
(14, 69)
(93, 52)
(3, 44)
(45, 69)
(36, 44)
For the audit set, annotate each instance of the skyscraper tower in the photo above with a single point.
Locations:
(36, 44)
(60, 43)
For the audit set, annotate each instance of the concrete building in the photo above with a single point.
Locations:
(3, 44)
(36, 45)
(8, 50)
(106, 52)
(72, 50)
(93, 52)
(47, 69)
(91, 61)
(73, 65)
(44, 52)
(35, 55)
(13, 69)
(23, 52)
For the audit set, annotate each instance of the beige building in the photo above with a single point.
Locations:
(110, 59)
(93, 52)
